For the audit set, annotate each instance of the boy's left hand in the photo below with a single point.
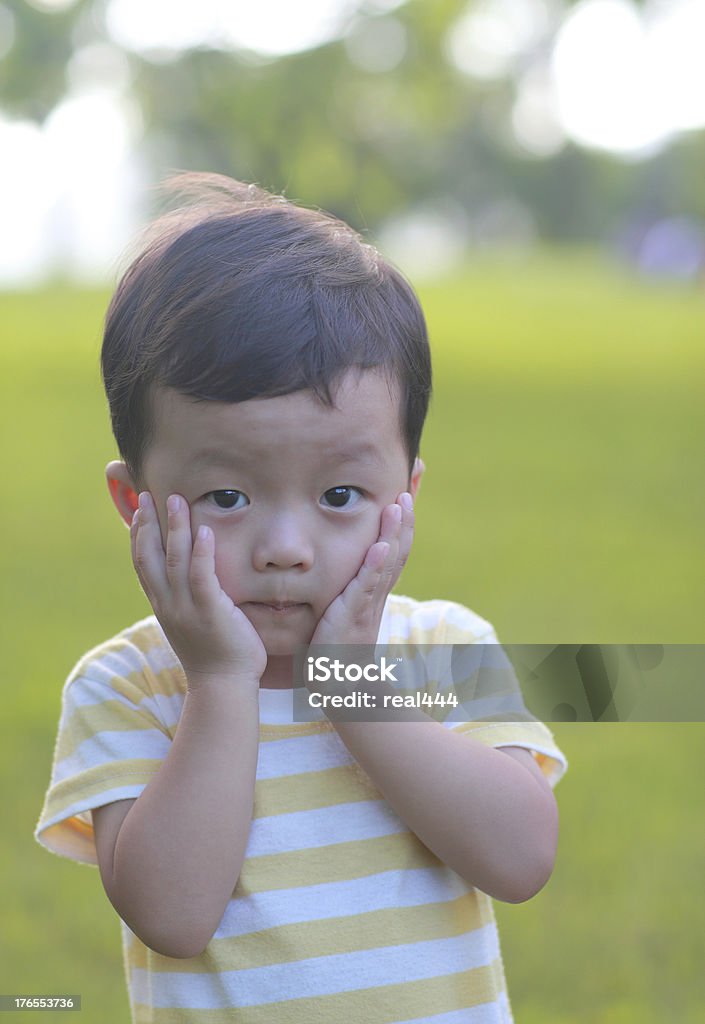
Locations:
(354, 616)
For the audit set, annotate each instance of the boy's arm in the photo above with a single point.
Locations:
(483, 813)
(487, 813)
(170, 860)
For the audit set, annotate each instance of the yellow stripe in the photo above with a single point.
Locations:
(137, 683)
(97, 780)
(109, 716)
(292, 730)
(309, 790)
(381, 1005)
(169, 681)
(141, 681)
(341, 862)
(306, 940)
(500, 982)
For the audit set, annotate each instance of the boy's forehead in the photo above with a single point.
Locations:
(364, 419)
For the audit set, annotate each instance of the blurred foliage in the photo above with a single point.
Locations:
(365, 144)
(33, 71)
(313, 123)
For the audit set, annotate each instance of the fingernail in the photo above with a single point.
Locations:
(396, 513)
(143, 500)
(172, 503)
(407, 501)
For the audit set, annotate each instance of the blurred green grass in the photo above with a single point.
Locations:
(563, 501)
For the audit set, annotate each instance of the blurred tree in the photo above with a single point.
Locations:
(360, 142)
(369, 125)
(41, 43)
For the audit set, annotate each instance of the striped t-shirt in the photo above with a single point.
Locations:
(340, 913)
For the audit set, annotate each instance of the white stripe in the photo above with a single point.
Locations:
(112, 663)
(86, 693)
(105, 749)
(299, 754)
(276, 706)
(387, 890)
(319, 976)
(324, 826)
(83, 692)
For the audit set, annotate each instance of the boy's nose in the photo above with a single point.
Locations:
(282, 544)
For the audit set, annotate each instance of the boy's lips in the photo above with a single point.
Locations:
(281, 607)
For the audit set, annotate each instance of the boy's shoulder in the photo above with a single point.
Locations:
(406, 620)
(138, 652)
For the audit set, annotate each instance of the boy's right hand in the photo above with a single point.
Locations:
(212, 638)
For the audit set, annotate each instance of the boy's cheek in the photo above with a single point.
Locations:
(353, 557)
(230, 578)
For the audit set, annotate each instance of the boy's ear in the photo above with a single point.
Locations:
(416, 474)
(122, 489)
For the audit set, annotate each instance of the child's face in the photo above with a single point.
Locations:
(293, 491)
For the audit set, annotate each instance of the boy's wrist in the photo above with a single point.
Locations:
(219, 682)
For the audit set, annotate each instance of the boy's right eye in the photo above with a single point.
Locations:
(228, 500)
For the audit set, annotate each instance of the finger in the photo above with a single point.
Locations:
(406, 535)
(205, 587)
(391, 522)
(398, 529)
(147, 550)
(178, 543)
(374, 577)
(391, 533)
(365, 585)
(133, 538)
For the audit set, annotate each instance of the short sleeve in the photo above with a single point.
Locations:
(491, 709)
(472, 666)
(119, 711)
(532, 736)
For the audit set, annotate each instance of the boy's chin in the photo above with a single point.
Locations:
(285, 647)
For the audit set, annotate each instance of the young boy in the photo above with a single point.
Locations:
(268, 376)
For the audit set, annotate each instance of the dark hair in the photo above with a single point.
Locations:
(240, 294)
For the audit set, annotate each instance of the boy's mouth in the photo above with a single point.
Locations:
(280, 607)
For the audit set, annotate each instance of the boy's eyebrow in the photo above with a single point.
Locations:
(211, 456)
(353, 453)
(345, 453)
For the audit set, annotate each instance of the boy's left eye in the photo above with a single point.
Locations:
(228, 500)
(341, 497)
